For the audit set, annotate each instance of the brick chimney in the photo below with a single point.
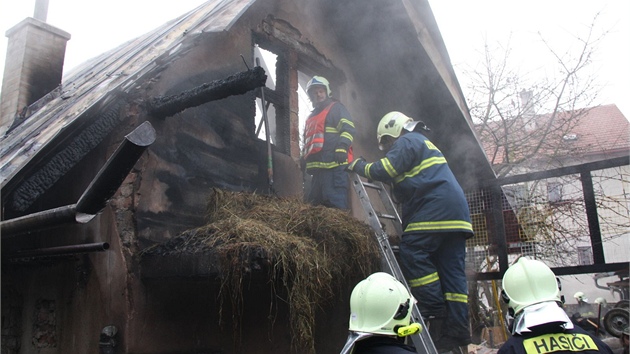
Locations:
(34, 64)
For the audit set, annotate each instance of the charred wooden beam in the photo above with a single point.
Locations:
(59, 251)
(237, 84)
(95, 197)
(28, 191)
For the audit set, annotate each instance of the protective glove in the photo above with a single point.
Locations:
(352, 166)
(341, 156)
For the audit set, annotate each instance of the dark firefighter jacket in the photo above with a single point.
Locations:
(432, 199)
(338, 134)
(382, 345)
(558, 341)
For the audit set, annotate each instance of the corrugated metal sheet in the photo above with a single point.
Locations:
(113, 71)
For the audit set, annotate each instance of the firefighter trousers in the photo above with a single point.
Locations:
(434, 266)
(330, 187)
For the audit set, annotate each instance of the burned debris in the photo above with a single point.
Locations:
(309, 251)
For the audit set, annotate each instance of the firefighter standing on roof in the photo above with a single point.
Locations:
(328, 136)
(436, 223)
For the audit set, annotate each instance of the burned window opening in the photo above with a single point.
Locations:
(267, 60)
(290, 64)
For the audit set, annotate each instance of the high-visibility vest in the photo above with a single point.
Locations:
(314, 132)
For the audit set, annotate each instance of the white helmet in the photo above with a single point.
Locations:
(601, 300)
(392, 125)
(318, 81)
(380, 304)
(579, 296)
(529, 282)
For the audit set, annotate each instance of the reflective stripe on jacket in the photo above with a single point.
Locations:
(432, 199)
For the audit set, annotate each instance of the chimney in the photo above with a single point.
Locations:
(527, 104)
(33, 66)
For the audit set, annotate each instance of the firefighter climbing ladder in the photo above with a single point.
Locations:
(422, 340)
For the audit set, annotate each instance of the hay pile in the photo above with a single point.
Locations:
(309, 250)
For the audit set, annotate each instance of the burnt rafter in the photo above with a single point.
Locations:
(237, 84)
(58, 165)
(95, 197)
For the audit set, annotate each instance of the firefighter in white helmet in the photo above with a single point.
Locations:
(436, 223)
(380, 317)
(328, 136)
(584, 316)
(531, 290)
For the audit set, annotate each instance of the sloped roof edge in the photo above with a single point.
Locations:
(113, 71)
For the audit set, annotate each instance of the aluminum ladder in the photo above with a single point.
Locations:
(421, 340)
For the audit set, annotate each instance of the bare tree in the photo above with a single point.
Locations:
(522, 118)
(524, 121)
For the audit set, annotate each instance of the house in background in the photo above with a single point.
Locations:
(123, 154)
(551, 211)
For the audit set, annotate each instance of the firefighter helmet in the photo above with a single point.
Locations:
(380, 304)
(318, 81)
(529, 282)
(392, 125)
(579, 296)
(601, 301)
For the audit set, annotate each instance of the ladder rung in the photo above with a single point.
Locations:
(387, 216)
(372, 185)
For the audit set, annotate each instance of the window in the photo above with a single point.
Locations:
(289, 63)
(268, 62)
(585, 255)
(554, 192)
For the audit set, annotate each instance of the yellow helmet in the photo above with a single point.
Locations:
(380, 304)
(529, 282)
(318, 81)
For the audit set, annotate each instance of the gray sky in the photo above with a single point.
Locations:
(466, 25)
(97, 26)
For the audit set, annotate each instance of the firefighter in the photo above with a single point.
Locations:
(584, 308)
(540, 325)
(584, 317)
(328, 136)
(380, 317)
(436, 223)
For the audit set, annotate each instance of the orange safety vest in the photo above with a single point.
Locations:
(314, 132)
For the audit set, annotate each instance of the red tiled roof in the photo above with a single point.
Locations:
(603, 129)
(598, 130)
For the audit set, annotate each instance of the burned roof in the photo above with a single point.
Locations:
(101, 81)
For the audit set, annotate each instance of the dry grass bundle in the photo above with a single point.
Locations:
(309, 250)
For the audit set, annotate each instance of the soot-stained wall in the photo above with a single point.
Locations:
(212, 145)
